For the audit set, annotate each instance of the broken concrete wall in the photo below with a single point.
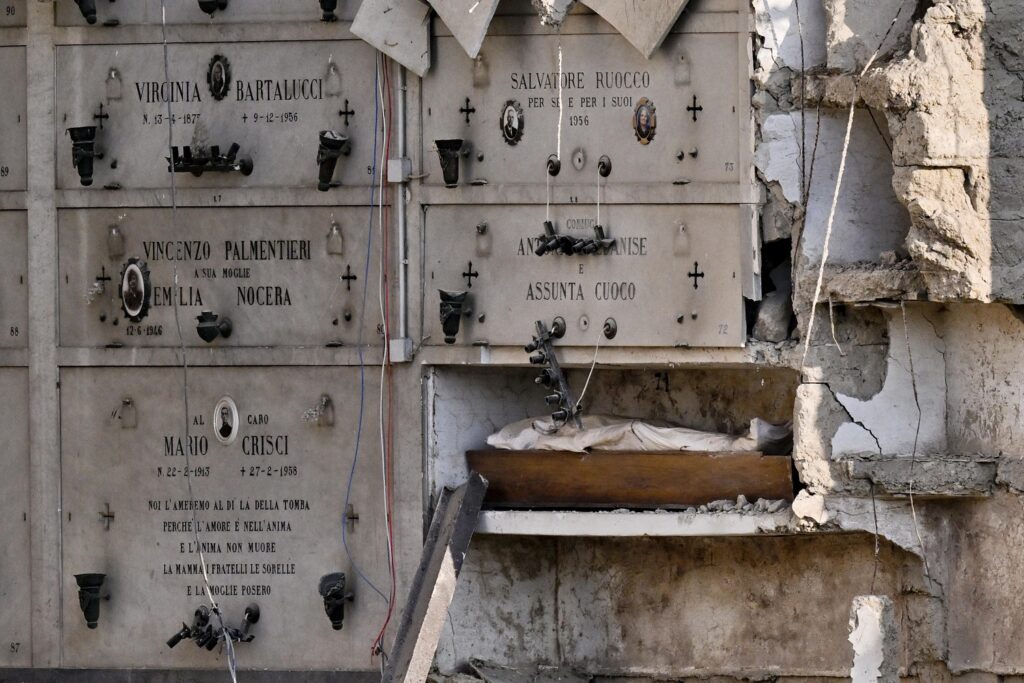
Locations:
(668, 607)
(985, 345)
(985, 603)
(869, 220)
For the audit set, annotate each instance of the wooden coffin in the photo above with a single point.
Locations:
(609, 480)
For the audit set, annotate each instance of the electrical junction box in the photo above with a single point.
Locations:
(13, 119)
(13, 280)
(15, 564)
(283, 276)
(188, 12)
(271, 99)
(270, 455)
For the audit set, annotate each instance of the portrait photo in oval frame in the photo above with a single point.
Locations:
(218, 77)
(645, 121)
(225, 420)
(135, 290)
(512, 122)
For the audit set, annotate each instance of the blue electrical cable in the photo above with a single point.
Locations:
(359, 346)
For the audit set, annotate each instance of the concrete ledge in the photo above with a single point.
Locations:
(628, 523)
(946, 477)
(755, 353)
(218, 675)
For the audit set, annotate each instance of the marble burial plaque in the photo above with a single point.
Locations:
(269, 465)
(15, 566)
(13, 280)
(670, 276)
(677, 117)
(188, 12)
(12, 13)
(282, 276)
(271, 99)
(13, 119)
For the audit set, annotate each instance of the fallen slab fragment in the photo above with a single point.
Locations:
(398, 28)
(644, 24)
(467, 20)
(433, 586)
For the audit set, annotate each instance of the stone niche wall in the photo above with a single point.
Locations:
(746, 607)
(466, 405)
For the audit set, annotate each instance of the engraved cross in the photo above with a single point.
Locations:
(107, 515)
(103, 277)
(101, 115)
(346, 112)
(348, 277)
(470, 274)
(351, 517)
(467, 110)
(694, 107)
(696, 274)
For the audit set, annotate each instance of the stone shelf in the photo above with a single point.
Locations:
(630, 523)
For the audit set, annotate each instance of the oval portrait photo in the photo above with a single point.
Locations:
(135, 290)
(225, 420)
(218, 77)
(645, 121)
(512, 122)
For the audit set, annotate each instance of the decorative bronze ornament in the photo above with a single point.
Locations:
(512, 122)
(218, 77)
(645, 121)
(135, 290)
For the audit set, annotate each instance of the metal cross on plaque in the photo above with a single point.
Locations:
(467, 110)
(346, 112)
(348, 277)
(696, 275)
(470, 274)
(694, 107)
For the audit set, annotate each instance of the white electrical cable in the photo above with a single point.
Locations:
(593, 364)
(917, 434)
(835, 194)
(547, 208)
(384, 321)
(558, 148)
(228, 644)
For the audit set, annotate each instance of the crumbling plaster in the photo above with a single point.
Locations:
(873, 635)
(669, 607)
(909, 413)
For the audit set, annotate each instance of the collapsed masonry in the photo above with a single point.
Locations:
(907, 386)
(907, 408)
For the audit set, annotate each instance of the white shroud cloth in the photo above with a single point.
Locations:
(608, 433)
